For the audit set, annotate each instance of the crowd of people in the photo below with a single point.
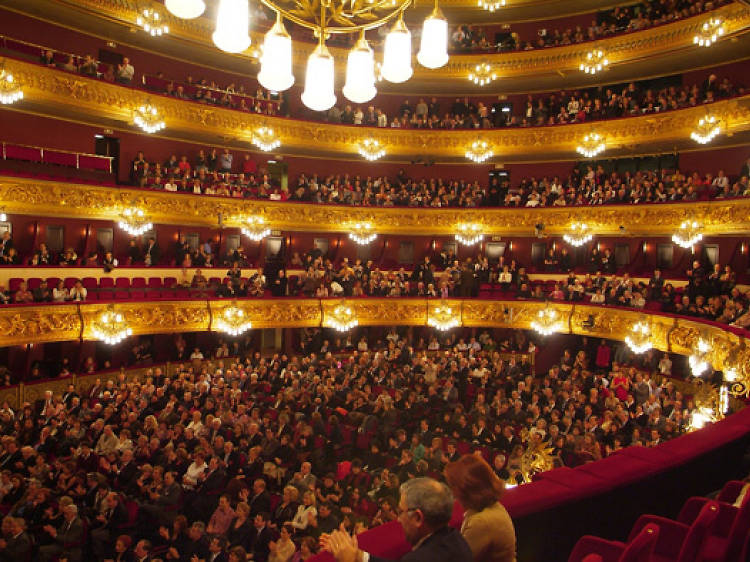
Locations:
(266, 455)
(468, 38)
(212, 172)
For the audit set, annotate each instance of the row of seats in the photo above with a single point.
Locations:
(705, 531)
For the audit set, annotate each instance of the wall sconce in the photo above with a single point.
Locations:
(645, 247)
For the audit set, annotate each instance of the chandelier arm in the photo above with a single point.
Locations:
(318, 26)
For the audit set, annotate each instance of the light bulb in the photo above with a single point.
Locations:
(276, 62)
(232, 23)
(433, 49)
(186, 9)
(318, 94)
(397, 54)
(360, 73)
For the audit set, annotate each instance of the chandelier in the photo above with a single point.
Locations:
(591, 145)
(482, 74)
(3, 216)
(111, 327)
(233, 321)
(690, 233)
(371, 149)
(639, 338)
(469, 233)
(151, 22)
(709, 33)
(594, 62)
(547, 321)
(707, 130)
(134, 221)
(479, 151)
(491, 6)
(441, 317)
(579, 234)
(342, 318)
(147, 118)
(265, 139)
(10, 91)
(254, 227)
(711, 404)
(699, 360)
(326, 17)
(362, 233)
(186, 9)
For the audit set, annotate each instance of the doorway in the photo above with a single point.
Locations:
(109, 146)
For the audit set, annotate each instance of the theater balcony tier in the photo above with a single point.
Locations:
(664, 49)
(57, 199)
(20, 324)
(57, 94)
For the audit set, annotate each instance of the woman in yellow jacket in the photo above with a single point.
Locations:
(487, 527)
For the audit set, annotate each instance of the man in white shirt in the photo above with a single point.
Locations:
(125, 71)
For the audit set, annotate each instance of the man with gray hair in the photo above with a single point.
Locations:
(424, 511)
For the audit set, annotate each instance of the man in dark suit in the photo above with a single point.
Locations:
(217, 550)
(260, 500)
(67, 542)
(107, 526)
(151, 252)
(263, 536)
(17, 546)
(425, 511)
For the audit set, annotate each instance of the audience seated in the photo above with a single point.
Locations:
(206, 453)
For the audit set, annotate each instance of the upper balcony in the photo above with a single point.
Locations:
(666, 48)
(59, 94)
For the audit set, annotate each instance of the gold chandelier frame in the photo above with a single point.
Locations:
(338, 16)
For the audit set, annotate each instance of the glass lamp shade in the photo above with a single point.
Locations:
(276, 62)
(318, 94)
(360, 73)
(186, 9)
(433, 50)
(232, 23)
(397, 54)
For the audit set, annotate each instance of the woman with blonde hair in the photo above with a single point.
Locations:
(487, 527)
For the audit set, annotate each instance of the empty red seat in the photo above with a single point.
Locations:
(138, 283)
(170, 282)
(727, 536)
(106, 283)
(122, 295)
(154, 283)
(52, 282)
(122, 283)
(88, 282)
(678, 542)
(595, 549)
(137, 294)
(14, 283)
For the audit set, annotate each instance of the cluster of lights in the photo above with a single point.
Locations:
(254, 227)
(479, 151)
(700, 417)
(231, 35)
(265, 139)
(709, 33)
(579, 234)
(482, 74)
(342, 318)
(707, 130)
(442, 318)
(547, 322)
(371, 149)
(592, 145)
(10, 92)
(689, 234)
(699, 360)
(469, 234)
(147, 118)
(362, 233)
(110, 327)
(151, 22)
(134, 221)
(233, 321)
(594, 62)
(491, 6)
(639, 338)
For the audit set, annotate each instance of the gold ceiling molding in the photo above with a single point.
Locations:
(47, 198)
(23, 325)
(60, 94)
(622, 48)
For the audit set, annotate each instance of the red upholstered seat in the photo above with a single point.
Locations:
(138, 283)
(89, 283)
(729, 533)
(122, 283)
(155, 283)
(679, 542)
(33, 283)
(106, 283)
(121, 295)
(640, 549)
(14, 283)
